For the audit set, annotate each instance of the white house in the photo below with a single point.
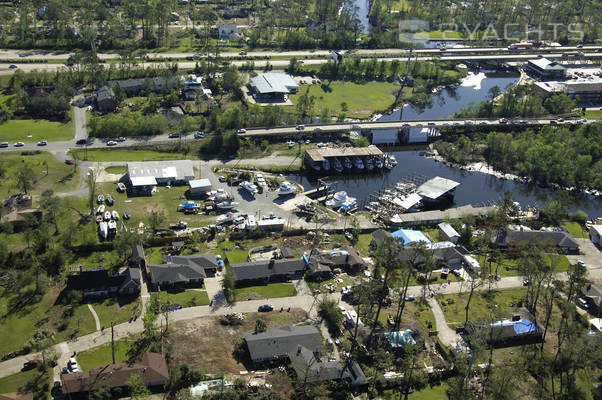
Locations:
(448, 232)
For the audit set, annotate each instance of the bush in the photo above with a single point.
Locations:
(329, 310)
(579, 216)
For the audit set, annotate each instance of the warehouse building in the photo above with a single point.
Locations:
(144, 176)
(272, 86)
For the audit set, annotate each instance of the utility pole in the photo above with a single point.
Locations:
(113, 342)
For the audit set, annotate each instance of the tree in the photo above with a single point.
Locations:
(155, 219)
(260, 325)
(475, 282)
(25, 177)
(137, 387)
(229, 284)
(40, 340)
(329, 310)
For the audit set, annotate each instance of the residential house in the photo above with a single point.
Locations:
(517, 330)
(210, 263)
(228, 31)
(593, 295)
(320, 262)
(264, 271)
(448, 232)
(105, 99)
(176, 275)
(20, 212)
(378, 237)
(444, 254)
(410, 237)
(302, 347)
(138, 258)
(98, 282)
(595, 234)
(151, 367)
(512, 238)
(133, 87)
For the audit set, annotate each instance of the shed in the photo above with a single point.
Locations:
(199, 187)
(448, 232)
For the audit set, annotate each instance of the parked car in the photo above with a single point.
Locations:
(199, 135)
(72, 364)
(111, 143)
(265, 308)
(242, 53)
(4, 144)
(12, 66)
(120, 139)
(19, 144)
(81, 142)
(300, 127)
(410, 298)
(173, 135)
(31, 364)
(69, 161)
(42, 143)
(242, 130)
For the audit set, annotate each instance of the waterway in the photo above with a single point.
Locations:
(475, 187)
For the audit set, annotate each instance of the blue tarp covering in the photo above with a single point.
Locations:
(305, 259)
(521, 326)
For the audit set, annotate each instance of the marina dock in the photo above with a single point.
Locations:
(346, 159)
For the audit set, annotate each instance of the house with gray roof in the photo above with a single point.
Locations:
(272, 86)
(264, 271)
(176, 275)
(138, 258)
(208, 262)
(546, 69)
(105, 99)
(562, 240)
(593, 295)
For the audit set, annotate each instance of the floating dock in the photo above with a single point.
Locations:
(346, 159)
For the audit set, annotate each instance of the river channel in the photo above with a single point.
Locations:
(475, 187)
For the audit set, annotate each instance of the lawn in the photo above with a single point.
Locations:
(510, 266)
(61, 177)
(482, 307)
(186, 298)
(321, 286)
(362, 99)
(593, 114)
(21, 314)
(575, 229)
(236, 255)
(270, 290)
(34, 130)
(101, 355)
(13, 383)
(126, 155)
(413, 311)
(117, 310)
(428, 393)
(116, 169)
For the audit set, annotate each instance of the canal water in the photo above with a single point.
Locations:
(475, 187)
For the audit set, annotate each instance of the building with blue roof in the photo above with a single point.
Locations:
(409, 236)
(517, 330)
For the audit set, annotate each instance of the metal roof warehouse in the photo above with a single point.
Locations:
(273, 83)
(159, 172)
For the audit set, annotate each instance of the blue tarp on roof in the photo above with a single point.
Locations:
(407, 236)
(521, 326)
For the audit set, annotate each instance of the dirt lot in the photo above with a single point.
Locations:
(207, 344)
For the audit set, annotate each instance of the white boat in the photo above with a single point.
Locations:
(326, 165)
(392, 159)
(250, 187)
(388, 165)
(347, 163)
(260, 180)
(222, 219)
(378, 162)
(103, 229)
(227, 205)
(100, 209)
(112, 226)
(115, 215)
(121, 187)
(369, 164)
(287, 188)
(100, 199)
(337, 166)
(358, 163)
(339, 199)
(107, 215)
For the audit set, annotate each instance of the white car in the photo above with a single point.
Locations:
(42, 143)
(242, 130)
(19, 144)
(111, 143)
(72, 365)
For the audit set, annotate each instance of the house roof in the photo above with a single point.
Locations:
(175, 273)
(143, 181)
(94, 279)
(597, 229)
(286, 252)
(546, 65)
(279, 342)
(593, 292)
(200, 183)
(347, 256)
(151, 367)
(400, 338)
(310, 369)
(137, 251)
(173, 169)
(379, 235)
(273, 83)
(448, 230)
(105, 93)
(267, 268)
(199, 260)
(407, 236)
(560, 239)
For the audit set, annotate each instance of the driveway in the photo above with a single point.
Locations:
(590, 255)
(448, 336)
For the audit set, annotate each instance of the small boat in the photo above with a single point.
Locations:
(222, 219)
(339, 199)
(112, 226)
(347, 163)
(115, 215)
(227, 205)
(189, 206)
(287, 188)
(388, 165)
(326, 165)
(98, 219)
(358, 163)
(337, 166)
(250, 187)
(101, 209)
(110, 200)
(100, 199)
(392, 159)
(121, 187)
(103, 230)
(369, 164)
(107, 215)
(260, 180)
(126, 214)
(378, 162)
(308, 206)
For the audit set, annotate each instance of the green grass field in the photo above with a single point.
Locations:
(511, 266)
(186, 298)
(362, 99)
(61, 177)
(117, 310)
(270, 290)
(575, 229)
(12, 383)
(101, 355)
(39, 129)
(482, 308)
(428, 393)
(126, 155)
(594, 114)
(116, 169)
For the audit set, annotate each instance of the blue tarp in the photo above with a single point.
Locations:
(521, 326)
(305, 259)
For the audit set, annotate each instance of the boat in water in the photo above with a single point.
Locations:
(388, 165)
(392, 160)
(339, 199)
(378, 163)
(250, 187)
(358, 163)
(347, 163)
(227, 205)
(337, 166)
(369, 164)
(287, 188)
